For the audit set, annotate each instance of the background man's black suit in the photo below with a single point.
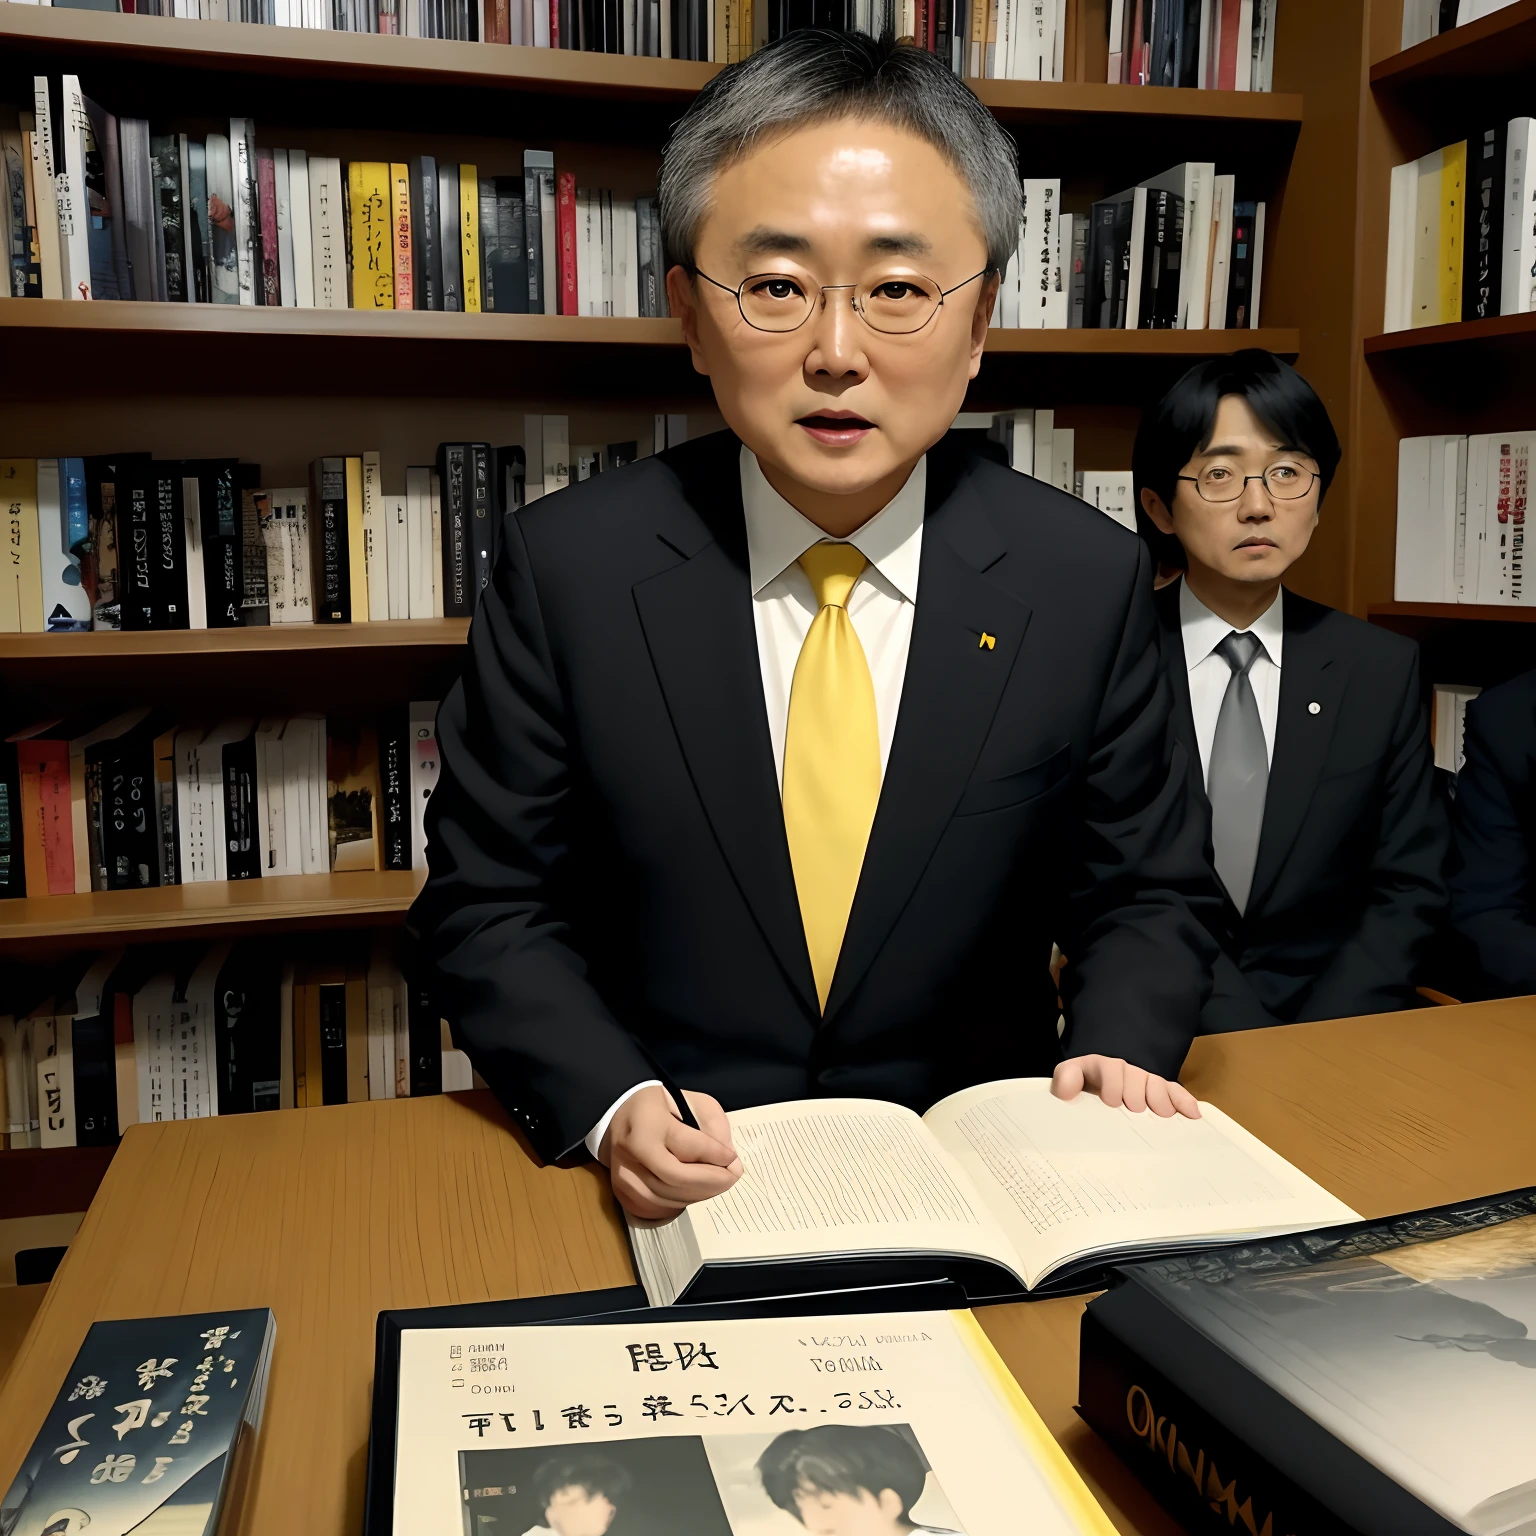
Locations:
(610, 880)
(1349, 881)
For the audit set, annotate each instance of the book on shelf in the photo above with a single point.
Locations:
(1448, 723)
(1424, 19)
(1365, 1381)
(1461, 511)
(174, 1457)
(1003, 1187)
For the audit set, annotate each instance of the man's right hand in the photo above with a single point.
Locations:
(657, 1164)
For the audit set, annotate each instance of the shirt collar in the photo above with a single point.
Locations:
(778, 534)
(1203, 630)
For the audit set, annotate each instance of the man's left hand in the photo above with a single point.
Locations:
(1120, 1083)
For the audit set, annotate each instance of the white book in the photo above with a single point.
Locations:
(56, 1083)
(1501, 581)
(397, 553)
(285, 272)
(270, 832)
(1042, 460)
(1419, 18)
(328, 261)
(418, 540)
(375, 538)
(242, 162)
(301, 233)
(1225, 191)
(66, 604)
(274, 541)
(1003, 64)
(304, 793)
(1244, 80)
(588, 281)
(16, 1052)
(196, 1056)
(1037, 248)
(533, 455)
(290, 506)
(548, 232)
(192, 523)
(1401, 209)
(1113, 492)
(422, 724)
(70, 193)
(1007, 309)
(1138, 242)
(658, 437)
(1058, 293)
(1448, 712)
(1194, 181)
(435, 541)
(47, 215)
(1210, 17)
(1020, 427)
(1519, 217)
(290, 754)
(153, 1049)
(382, 978)
(557, 453)
(1063, 452)
(1263, 45)
(1256, 290)
(1469, 535)
(1431, 490)
(602, 212)
(677, 429)
(38, 1030)
(624, 257)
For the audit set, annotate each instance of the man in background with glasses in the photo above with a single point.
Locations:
(1309, 725)
(781, 759)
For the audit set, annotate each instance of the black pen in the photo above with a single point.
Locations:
(684, 1112)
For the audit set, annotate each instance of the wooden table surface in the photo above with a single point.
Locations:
(330, 1216)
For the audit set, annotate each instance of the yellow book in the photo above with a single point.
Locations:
(373, 245)
(469, 224)
(21, 567)
(400, 227)
(1453, 184)
(357, 551)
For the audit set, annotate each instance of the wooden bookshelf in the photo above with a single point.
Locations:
(1470, 613)
(213, 909)
(44, 1181)
(1469, 338)
(391, 636)
(1503, 44)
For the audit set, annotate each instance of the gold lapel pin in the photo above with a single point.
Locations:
(988, 642)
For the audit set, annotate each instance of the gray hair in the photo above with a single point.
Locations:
(813, 76)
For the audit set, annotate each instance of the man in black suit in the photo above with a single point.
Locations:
(1494, 820)
(1308, 724)
(780, 759)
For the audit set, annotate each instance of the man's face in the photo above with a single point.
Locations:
(844, 1514)
(575, 1512)
(1258, 537)
(835, 406)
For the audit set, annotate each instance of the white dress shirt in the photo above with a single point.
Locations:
(881, 605)
(1209, 673)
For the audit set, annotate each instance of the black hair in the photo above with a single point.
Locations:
(1174, 430)
(842, 1458)
(594, 1475)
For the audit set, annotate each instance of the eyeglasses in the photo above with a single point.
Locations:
(896, 303)
(1285, 480)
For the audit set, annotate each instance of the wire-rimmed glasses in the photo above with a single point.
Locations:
(894, 303)
(1285, 480)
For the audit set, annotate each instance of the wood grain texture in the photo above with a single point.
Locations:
(391, 635)
(329, 1216)
(1501, 44)
(18, 1306)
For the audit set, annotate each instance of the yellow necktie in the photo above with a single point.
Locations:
(831, 760)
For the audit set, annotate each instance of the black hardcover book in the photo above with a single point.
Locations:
(106, 235)
(108, 542)
(172, 1455)
(329, 566)
(449, 240)
(255, 609)
(482, 521)
(247, 1008)
(426, 259)
(617, 455)
(1186, 68)
(1099, 285)
(137, 566)
(218, 513)
(489, 243)
(511, 479)
(1120, 245)
(333, 1042)
(453, 473)
(168, 547)
(1482, 271)
(13, 880)
(1160, 260)
(645, 222)
(104, 993)
(165, 169)
(242, 840)
(395, 789)
(510, 277)
(426, 1039)
(130, 829)
(1240, 268)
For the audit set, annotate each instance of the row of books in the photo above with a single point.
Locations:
(1461, 230)
(1461, 509)
(1424, 19)
(181, 1031)
(1030, 442)
(1213, 45)
(136, 799)
(221, 220)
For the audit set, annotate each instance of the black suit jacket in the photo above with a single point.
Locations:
(1348, 885)
(1495, 826)
(610, 883)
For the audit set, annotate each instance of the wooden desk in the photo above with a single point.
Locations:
(330, 1216)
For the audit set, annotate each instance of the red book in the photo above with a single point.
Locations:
(400, 193)
(48, 835)
(1226, 61)
(554, 25)
(266, 196)
(565, 217)
(498, 23)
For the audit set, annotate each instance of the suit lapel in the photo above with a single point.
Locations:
(948, 698)
(1311, 693)
(697, 617)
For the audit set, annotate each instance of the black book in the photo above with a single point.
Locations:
(395, 789)
(130, 831)
(1099, 284)
(247, 1012)
(242, 840)
(1240, 268)
(1483, 246)
(330, 570)
(507, 270)
(482, 521)
(511, 479)
(617, 455)
(454, 470)
(1120, 248)
(107, 234)
(1369, 1379)
(449, 239)
(108, 541)
(136, 571)
(165, 167)
(533, 229)
(1186, 61)
(13, 881)
(426, 258)
(1160, 260)
(105, 991)
(255, 609)
(426, 1039)
(333, 1042)
(218, 514)
(490, 242)
(170, 548)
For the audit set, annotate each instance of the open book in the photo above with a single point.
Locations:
(1001, 1187)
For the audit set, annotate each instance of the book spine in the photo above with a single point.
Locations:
(426, 259)
(451, 471)
(533, 239)
(449, 240)
(1201, 1473)
(131, 817)
(271, 260)
(371, 223)
(566, 203)
(426, 1042)
(357, 558)
(247, 210)
(242, 842)
(394, 790)
(13, 880)
(70, 192)
(469, 236)
(400, 211)
(482, 520)
(333, 1044)
(137, 574)
(165, 166)
(170, 551)
(328, 542)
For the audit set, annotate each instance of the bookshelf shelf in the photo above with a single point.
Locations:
(46, 1181)
(1498, 332)
(1503, 44)
(212, 909)
(1452, 612)
(390, 635)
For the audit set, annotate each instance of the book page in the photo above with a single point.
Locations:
(1066, 1178)
(841, 1176)
(726, 1427)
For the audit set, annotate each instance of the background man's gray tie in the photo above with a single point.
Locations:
(1239, 774)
